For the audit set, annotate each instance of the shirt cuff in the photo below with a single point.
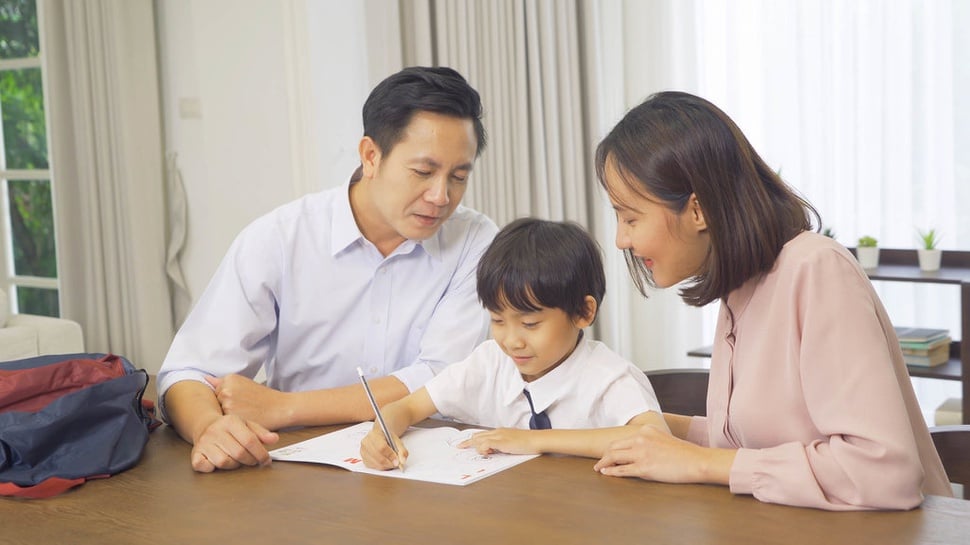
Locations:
(167, 379)
(741, 477)
(414, 376)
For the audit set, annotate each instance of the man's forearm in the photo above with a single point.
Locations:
(344, 404)
(191, 407)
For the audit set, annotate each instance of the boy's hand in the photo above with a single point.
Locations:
(377, 454)
(507, 440)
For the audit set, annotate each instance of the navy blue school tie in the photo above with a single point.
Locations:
(539, 421)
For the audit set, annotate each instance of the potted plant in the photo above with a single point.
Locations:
(867, 252)
(929, 255)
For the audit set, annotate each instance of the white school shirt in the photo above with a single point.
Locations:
(594, 388)
(303, 293)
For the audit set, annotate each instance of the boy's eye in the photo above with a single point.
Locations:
(529, 325)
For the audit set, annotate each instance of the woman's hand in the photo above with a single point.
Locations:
(655, 455)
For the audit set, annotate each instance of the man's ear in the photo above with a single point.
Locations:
(696, 213)
(370, 156)
(589, 313)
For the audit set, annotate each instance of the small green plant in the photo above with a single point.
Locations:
(867, 242)
(828, 232)
(930, 239)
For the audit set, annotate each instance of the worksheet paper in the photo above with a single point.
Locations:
(433, 455)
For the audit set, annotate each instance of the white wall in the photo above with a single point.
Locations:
(262, 104)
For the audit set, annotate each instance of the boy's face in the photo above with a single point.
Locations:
(537, 341)
(409, 192)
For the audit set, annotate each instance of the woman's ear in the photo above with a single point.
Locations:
(589, 313)
(696, 213)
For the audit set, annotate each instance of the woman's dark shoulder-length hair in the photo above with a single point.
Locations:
(676, 144)
(535, 263)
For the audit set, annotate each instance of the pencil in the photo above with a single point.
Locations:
(380, 418)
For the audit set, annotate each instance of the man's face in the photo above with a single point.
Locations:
(409, 192)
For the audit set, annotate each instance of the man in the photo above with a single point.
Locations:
(378, 273)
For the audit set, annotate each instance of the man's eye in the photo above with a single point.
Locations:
(422, 173)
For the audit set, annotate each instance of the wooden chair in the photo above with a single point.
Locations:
(681, 391)
(953, 444)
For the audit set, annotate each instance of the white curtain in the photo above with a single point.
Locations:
(108, 175)
(858, 104)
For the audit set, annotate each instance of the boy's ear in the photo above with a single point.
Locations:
(589, 313)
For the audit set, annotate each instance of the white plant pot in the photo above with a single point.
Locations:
(929, 260)
(868, 256)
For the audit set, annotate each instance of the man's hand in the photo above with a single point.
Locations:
(242, 397)
(229, 442)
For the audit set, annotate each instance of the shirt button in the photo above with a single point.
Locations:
(373, 370)
(377, 319)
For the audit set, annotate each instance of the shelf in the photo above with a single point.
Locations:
(902, 266)
(951, 370)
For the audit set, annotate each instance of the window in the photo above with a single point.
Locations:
(29, 264)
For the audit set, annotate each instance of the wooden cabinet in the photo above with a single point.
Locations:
(902, 266)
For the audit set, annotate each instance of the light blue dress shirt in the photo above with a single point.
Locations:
(302, 293)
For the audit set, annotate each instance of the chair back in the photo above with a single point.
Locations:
(681, 391)
(953, 445)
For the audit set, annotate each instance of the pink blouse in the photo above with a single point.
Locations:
(813, 391)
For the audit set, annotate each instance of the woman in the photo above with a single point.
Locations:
(809, 402)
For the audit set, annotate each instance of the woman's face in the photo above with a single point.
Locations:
(672, 245)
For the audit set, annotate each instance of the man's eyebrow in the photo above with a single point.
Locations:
(429, 162)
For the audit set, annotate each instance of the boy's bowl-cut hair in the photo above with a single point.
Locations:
(534, 264)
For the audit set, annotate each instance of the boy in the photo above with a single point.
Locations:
(539, 381)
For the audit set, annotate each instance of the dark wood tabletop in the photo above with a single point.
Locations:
(551, 499)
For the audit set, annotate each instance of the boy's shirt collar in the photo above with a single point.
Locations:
(555, 384)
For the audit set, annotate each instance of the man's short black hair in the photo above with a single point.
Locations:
(534, 264)
(391, 105)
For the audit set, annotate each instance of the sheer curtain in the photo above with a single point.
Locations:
(855, 103)
(108, 170)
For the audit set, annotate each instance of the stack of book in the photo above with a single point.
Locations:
(924, 347)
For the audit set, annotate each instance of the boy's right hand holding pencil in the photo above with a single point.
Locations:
(377, 454)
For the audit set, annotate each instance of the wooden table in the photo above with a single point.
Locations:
(549, 499)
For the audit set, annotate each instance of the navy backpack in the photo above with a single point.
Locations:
(68, 418)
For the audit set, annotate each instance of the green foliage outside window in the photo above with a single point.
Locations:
(18, 29)
(25, 148)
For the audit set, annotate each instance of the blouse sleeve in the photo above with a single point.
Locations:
(865, 455)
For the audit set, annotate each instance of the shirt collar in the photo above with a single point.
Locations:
(344, 230)
(555, 384)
